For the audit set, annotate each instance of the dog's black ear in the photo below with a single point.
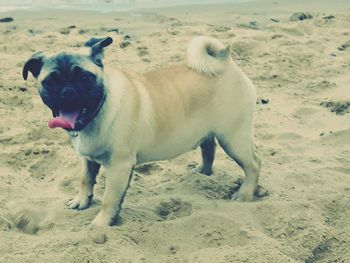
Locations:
(97, 45)
(34, 65)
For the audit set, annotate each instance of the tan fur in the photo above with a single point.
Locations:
(177, 92)
(166, 112)
(207, 55)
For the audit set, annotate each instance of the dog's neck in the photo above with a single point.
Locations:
(106, 112)
(91, 141)
(95, 125)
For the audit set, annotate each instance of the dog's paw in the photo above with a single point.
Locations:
(102, 220)
(205, 170)
(249, 193)
(202, 169)
(80, 202)
(245, 193)
(243, 197)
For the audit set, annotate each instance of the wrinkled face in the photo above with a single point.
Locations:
(72, 89)
(71, 84)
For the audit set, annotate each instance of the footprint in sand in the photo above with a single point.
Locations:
(173, 31)
(220, 187)
(142, 51)
(300, 16)
(220, 28)
(65, 31)
(176, 58)
(148, 169)
(319, 86)
(242, 49)
(173, 208)
(338, 107)
(5, 224)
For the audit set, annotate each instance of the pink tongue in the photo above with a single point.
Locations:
(64, 120)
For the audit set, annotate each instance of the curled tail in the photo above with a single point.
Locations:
(208, 55)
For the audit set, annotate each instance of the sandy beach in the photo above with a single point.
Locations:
(300, 65)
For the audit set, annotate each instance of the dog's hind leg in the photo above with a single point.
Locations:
(83, 199)
(239, 146)
(208, 154)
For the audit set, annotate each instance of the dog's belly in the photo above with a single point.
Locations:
(162, 152)
(170, 148)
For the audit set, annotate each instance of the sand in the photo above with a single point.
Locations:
(171, 213)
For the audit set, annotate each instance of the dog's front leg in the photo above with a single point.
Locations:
(83, 199)
(118, 175)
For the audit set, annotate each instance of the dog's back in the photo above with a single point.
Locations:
(188, 102)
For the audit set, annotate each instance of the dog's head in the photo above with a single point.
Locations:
(71, 84)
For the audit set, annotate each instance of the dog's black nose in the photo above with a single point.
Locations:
(68, 93)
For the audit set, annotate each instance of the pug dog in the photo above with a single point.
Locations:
(119, 119)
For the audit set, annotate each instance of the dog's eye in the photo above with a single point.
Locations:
(50, 80)
(47, 82)
(86, 78)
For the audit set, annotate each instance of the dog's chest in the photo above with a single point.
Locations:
(92, 149)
